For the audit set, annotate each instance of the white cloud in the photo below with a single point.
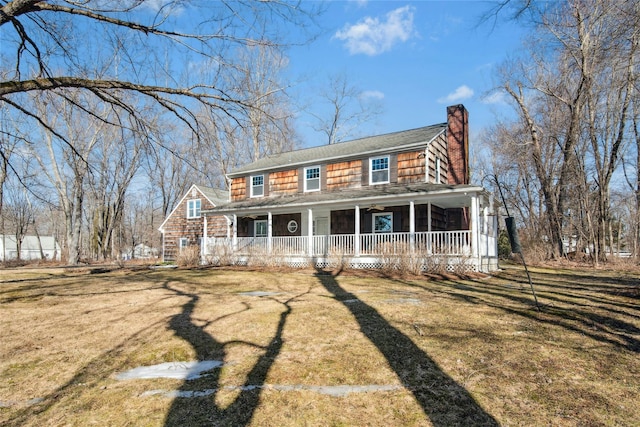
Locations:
(372, 94)
(463, 92)
(495, 98)
(372, 36)
(167, 7)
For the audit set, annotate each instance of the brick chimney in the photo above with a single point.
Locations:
(458, 144)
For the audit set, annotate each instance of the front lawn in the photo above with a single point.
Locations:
(291, 348)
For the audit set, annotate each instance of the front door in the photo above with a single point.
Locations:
(320, 231)
(320, 226)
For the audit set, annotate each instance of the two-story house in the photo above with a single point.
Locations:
(400, 194)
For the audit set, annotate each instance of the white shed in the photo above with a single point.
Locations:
(30, 249)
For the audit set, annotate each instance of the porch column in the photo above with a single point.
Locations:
(229, 226)
(234, 231)
(474, 226)
(356, 234)
(429, 237)
(269, 231)
(310, 232)
(203, 249)
(412, 225)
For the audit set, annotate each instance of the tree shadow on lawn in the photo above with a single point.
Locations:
(601, 321)
(444, 401)
(202, 410)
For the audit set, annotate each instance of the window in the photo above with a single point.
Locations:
(292, 226)
(184, 242)
(379, 171)
(260, 228)
(257, 186)
(312, 178)
(438, 177)
(193, 208)
(382, 222)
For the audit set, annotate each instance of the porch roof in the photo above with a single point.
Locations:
(443, 195)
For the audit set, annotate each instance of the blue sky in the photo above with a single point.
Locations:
(415, 57)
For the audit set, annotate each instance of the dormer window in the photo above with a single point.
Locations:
(312, 178)
(193, 208)
(379, 170)
(257, 186)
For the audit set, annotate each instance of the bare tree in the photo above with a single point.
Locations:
(137, 62)
(342, 109)
(63, 159)
(115, 162)
(573, 90)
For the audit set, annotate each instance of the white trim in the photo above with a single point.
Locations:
(196, 209)
(306, 190)
(186, 194)
(255, 227)
(373, 221)
(251, 177)
(371, 171)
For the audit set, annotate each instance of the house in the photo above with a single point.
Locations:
(185, 225)
(366, 203)
(32, 248)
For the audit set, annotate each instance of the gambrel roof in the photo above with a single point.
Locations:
(397, 141)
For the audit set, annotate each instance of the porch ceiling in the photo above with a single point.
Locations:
(443, 195)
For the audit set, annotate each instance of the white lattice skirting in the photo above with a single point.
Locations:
(450, 264)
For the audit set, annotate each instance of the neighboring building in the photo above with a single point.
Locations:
(397, 194)
(141, 251)
(32, 248)
(185, 224)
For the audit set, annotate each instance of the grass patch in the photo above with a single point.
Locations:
(442, 351)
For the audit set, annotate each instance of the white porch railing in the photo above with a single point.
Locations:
(453, 243)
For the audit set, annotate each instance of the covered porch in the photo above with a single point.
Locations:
(427, 226)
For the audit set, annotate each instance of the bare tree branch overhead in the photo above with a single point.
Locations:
(140, 67)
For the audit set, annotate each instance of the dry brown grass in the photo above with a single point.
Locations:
(455, 352)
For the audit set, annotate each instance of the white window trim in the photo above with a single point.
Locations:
(306, 180)
(371, 170)
(373, 221)
(251, 178)
(437, 168)
(183, 242)
(255, 227)
(196, 212)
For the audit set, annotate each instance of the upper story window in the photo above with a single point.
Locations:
(379, 170)
(257, 186)
(382, 222)
(438, 166)
(193, 208)
(312, 178)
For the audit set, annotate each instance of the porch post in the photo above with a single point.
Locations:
(356, 234)
(429, 236)
(203, 248)
(234, 231)
(269, 231)
(474, 226)
(412, 225)
(310, 232)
